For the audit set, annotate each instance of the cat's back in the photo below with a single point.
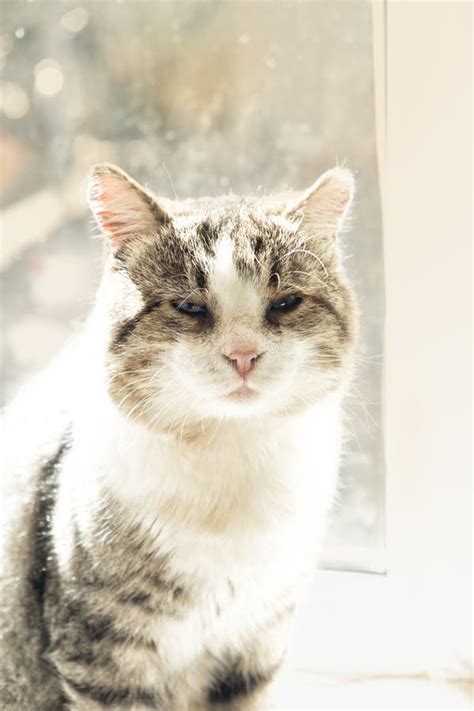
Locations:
(31, 431)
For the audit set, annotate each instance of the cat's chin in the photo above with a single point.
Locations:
(242, 402)
(242, 393)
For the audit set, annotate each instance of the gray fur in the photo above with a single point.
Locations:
(67, 633)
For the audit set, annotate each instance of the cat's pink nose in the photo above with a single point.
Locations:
(243, 361)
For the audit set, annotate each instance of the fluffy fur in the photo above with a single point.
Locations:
(156, 548)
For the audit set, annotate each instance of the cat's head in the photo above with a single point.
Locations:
(223, 307)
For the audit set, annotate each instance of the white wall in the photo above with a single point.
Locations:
(417, 619)
(428, 234)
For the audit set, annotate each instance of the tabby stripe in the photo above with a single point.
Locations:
(127, 327)
(330, 309)
(234, 685)
(207, 235)
(99, 627)
(108, 696)
(45, 501)
(139, 599)
(201, 278)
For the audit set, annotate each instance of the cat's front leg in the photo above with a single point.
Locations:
(243, 680)
(239, 691)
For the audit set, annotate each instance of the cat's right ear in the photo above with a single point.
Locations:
(323, 209)
(122, 208)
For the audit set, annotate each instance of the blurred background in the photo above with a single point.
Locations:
(207, 97)
(192, 98)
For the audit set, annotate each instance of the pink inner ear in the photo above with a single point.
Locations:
(121, 210)
(332, 195)
(109, 221)
(325, 207)
(112, 223)
(339, 194)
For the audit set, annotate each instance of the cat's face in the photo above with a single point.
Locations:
(223, 307)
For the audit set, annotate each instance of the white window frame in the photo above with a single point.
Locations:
(418, 618)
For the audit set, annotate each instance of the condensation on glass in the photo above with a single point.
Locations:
(192, 98)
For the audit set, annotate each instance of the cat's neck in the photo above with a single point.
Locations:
(101, 422)
(255, 460)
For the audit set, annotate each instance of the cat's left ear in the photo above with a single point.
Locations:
(324, 207)
(122, 208)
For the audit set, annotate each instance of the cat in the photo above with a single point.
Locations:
(162, 531)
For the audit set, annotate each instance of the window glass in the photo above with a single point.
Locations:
(192, 98)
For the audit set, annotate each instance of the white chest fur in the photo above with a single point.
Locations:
(240, 516)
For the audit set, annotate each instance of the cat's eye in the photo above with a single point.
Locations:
(190, 308)
(286, 303)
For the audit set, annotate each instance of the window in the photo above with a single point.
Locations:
(193, 98)
(203, 97)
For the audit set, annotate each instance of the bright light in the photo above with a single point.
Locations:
(14, 101)
(75, 20)
(49, 78)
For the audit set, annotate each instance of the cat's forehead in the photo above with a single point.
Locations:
(228, 280)
(218, 250)
(247, 234)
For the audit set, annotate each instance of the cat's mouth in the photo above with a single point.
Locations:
(243, 392)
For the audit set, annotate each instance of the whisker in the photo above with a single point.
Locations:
(312, 254)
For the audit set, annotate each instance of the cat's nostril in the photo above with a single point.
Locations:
(243, 361)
